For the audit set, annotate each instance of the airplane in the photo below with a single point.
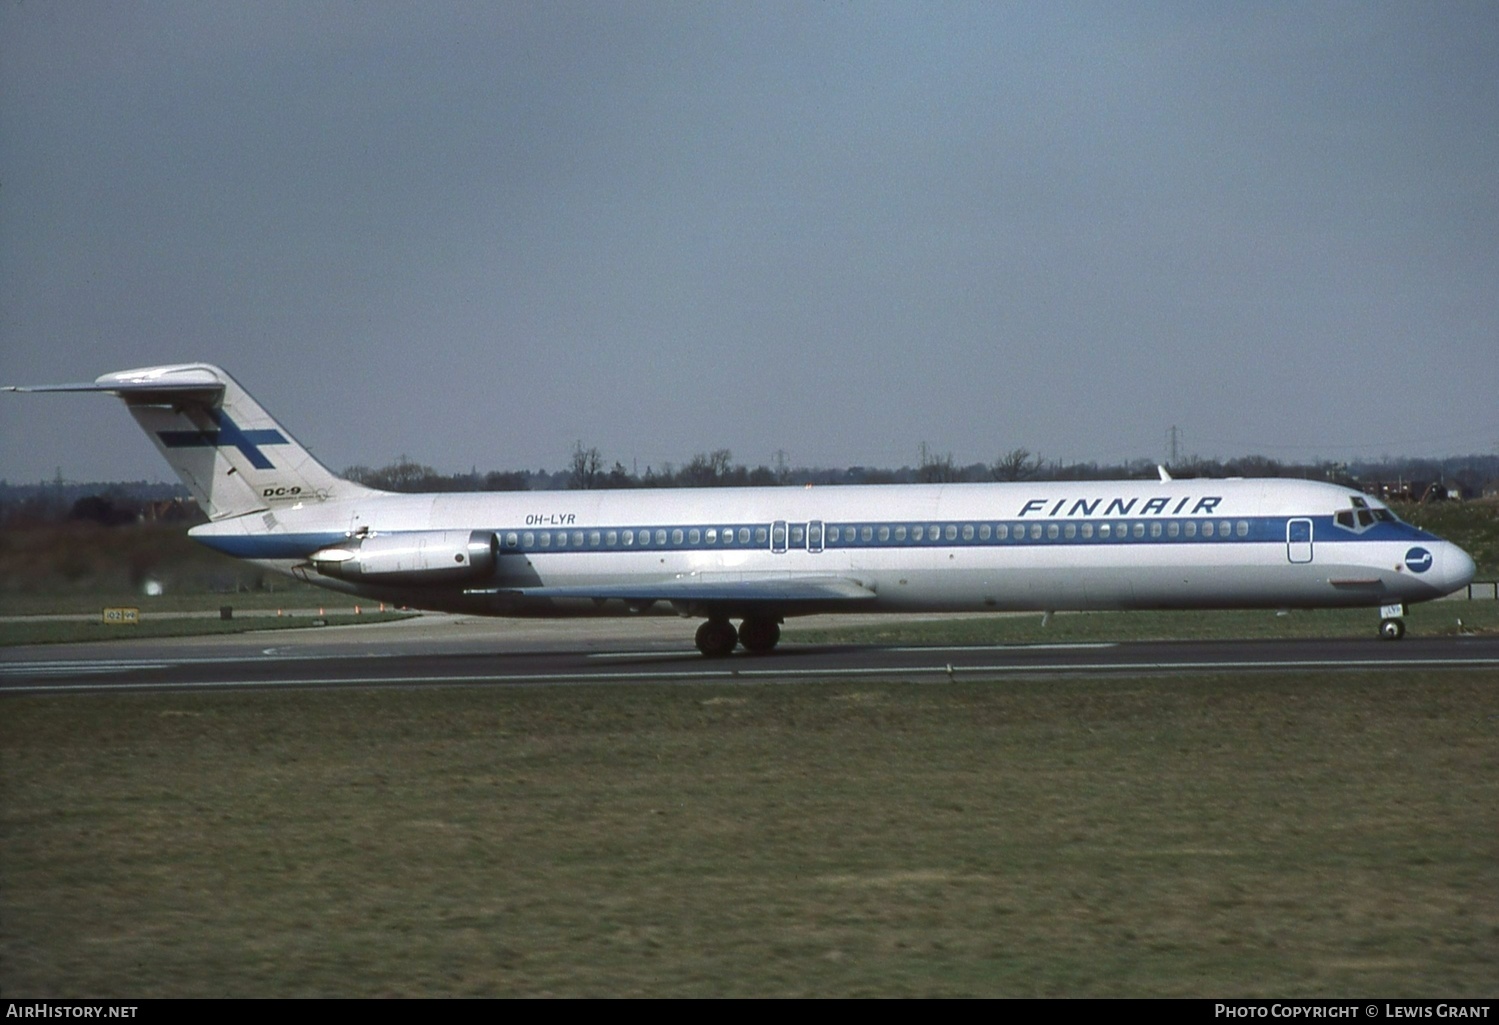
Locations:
(762, 555)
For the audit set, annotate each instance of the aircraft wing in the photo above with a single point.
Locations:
(745, 589)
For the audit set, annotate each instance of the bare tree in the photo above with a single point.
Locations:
(587, 466)
(707, 470)
(1016, 464)
(937, 469)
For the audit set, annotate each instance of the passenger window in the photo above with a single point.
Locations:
(577, 537)
(1191, 528)
(611, 538)
(866, 533)
(676, 536)
(918, 532)
(546, 539)
(528, 540)
(1242, 529)
(1103, 530)
(762, 535)
(798, 535)
(511, 540)
(561, 539)
(1071, 531)
(594, 538)
(1225, 529)
(1139, 530)
(983, 532)
(900, 533)
(884, 533)
(661, 537)
(694, 536)
(1087, 530)
(1002, 531)
(1173, 529)
(1036, 531)
(952, 532)
(628, 537)
(712, 536)
(1052, 531)
(1207, 529)
(968, 532)
(744, 535)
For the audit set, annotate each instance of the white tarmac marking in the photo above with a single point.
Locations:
(1076, 645)
(730, 674)
(80, 666)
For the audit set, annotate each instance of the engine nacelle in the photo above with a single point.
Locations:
(412, 557)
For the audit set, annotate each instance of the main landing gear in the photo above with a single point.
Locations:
(717, 638)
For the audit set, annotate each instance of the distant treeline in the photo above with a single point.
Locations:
(133, 501)
(1464, 476)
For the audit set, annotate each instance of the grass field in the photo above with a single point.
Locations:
(1279, 834)
(70, 632)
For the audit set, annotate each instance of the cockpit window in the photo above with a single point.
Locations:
(1362, 516)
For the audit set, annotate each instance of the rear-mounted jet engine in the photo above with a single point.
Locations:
(416, 557)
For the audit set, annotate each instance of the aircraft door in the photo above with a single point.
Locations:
(1299, 540)
(778, 537)
(814, 536)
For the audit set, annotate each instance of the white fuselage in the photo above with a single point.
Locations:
(1043, 546)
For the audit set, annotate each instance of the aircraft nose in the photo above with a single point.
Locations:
(1457, 568)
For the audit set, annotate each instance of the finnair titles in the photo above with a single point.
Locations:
(761, 555)
(1119, 507)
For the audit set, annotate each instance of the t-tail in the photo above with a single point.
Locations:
(228, 450)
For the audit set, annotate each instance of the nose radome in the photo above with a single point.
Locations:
(1457, 568)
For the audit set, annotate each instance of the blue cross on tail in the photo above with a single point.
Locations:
(229, 433)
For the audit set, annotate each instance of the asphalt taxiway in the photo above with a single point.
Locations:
(460, 651)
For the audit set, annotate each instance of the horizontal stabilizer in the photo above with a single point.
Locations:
(141, 385)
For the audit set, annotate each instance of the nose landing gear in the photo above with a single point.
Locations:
(1392, 622)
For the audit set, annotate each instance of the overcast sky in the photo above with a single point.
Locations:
(476, 234)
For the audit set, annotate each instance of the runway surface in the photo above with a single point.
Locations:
(456, 651)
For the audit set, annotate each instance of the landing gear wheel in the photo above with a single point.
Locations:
(759, 635)
(1391, 629)
(716, 638)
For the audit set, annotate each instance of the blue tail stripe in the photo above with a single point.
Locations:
(229, 433)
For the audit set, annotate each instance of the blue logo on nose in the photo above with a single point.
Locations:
(1418, 560)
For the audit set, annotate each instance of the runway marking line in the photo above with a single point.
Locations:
(729, 673)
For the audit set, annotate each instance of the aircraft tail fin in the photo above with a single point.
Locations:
(229, 452)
